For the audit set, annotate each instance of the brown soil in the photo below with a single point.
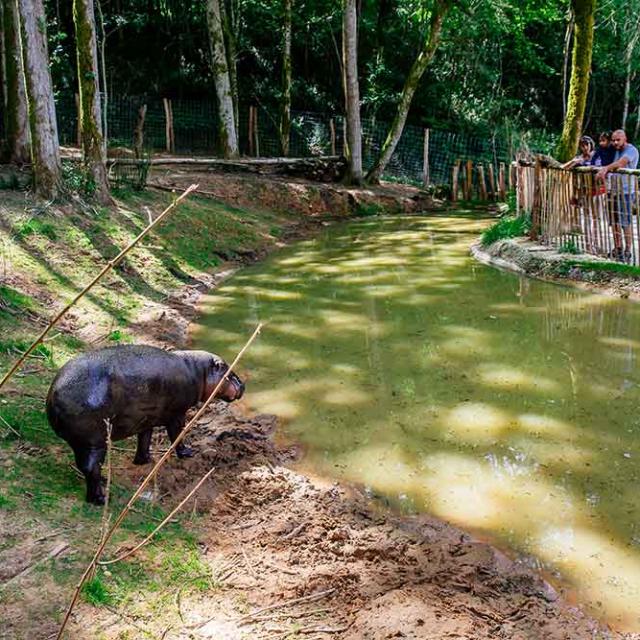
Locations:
(296, 554)
(297, 195)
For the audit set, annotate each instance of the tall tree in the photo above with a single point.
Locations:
(226, 119)
(352, 91)
(439, 12)
(584, 16)
(17, 122)
(229, 14)
(90, 111)
(285, 105)
(45, 148)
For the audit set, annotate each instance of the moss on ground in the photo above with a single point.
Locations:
(46, 256)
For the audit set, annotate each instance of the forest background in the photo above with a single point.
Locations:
(501, 64)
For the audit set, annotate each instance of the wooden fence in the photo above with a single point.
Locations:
(575, 212)
(479, 181)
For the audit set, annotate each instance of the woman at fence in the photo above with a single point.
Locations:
(579, 193)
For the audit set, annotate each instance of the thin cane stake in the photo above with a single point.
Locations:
(148, 478)
(110, 265)
(162, 524)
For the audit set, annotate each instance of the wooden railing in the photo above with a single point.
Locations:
(575, 212)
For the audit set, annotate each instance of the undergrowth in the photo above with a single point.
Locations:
(507, 227)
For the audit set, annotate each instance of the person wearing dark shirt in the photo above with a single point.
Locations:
(605, 153)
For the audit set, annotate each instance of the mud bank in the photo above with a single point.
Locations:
(584, 271)
(295, 556)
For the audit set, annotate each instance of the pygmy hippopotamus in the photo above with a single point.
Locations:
(135, 388)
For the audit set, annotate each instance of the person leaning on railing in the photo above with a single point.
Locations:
(623, 189)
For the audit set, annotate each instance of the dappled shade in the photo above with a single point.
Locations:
(506, 405)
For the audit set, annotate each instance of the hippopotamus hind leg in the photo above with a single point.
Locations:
(89, 461)
(174, 428)
(143, 455)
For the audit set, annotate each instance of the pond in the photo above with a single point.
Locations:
(505, 405)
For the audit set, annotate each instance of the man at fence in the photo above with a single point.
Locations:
(622, 188)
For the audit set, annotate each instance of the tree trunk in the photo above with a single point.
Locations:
(440, 10)
(627, 93)
(567, 54)
(584, 11)
(90, 112)
(228, 20)
(226, 117)
(45, 148)
(285, 109)
(103, 76)
(17, 121)
(352, 92)
(637, 130)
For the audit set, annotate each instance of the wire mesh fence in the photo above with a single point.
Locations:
(189, 127)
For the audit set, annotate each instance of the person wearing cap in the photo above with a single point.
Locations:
(585, 152)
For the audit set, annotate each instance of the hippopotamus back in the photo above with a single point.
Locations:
(132, 386)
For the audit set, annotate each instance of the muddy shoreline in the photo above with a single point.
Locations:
(320, 557)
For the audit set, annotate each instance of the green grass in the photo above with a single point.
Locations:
(609, 267)
(569, 247)
(35, 226)
(55, 256)
(506, 227)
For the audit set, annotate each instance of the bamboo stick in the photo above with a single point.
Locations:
(501, 185)
(78, 122)
(636, 259)
(139, 546)
(148, 478)
(110, 265)
(255, 131)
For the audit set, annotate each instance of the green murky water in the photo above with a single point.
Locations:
(505, 405)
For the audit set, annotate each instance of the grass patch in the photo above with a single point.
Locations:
(36, 227)
(608, 267)
(96, 592)
(569, 247)
(506, 227)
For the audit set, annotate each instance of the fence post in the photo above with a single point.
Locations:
(454, 181)
(138, 132)
(469, 180)
(251, 150)
(168, 115)
(482, 185)
(255, 131)
(332, 131)
(501, 186)
(78, 123)
(492, 181)
(425, 160)
(536, 205)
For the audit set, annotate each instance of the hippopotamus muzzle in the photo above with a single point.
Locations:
(133, 388)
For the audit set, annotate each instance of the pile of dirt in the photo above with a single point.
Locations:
(304, 557)
(305, 197)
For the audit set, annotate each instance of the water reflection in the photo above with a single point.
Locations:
(503, 404)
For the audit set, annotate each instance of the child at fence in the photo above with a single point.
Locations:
(585, 153)
(603, 156)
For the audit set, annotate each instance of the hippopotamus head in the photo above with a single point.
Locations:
(210, 369)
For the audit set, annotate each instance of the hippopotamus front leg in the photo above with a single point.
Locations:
(174, 428)
(89, 461)
(143, 454)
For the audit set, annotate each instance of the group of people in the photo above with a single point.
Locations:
(614, 152)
